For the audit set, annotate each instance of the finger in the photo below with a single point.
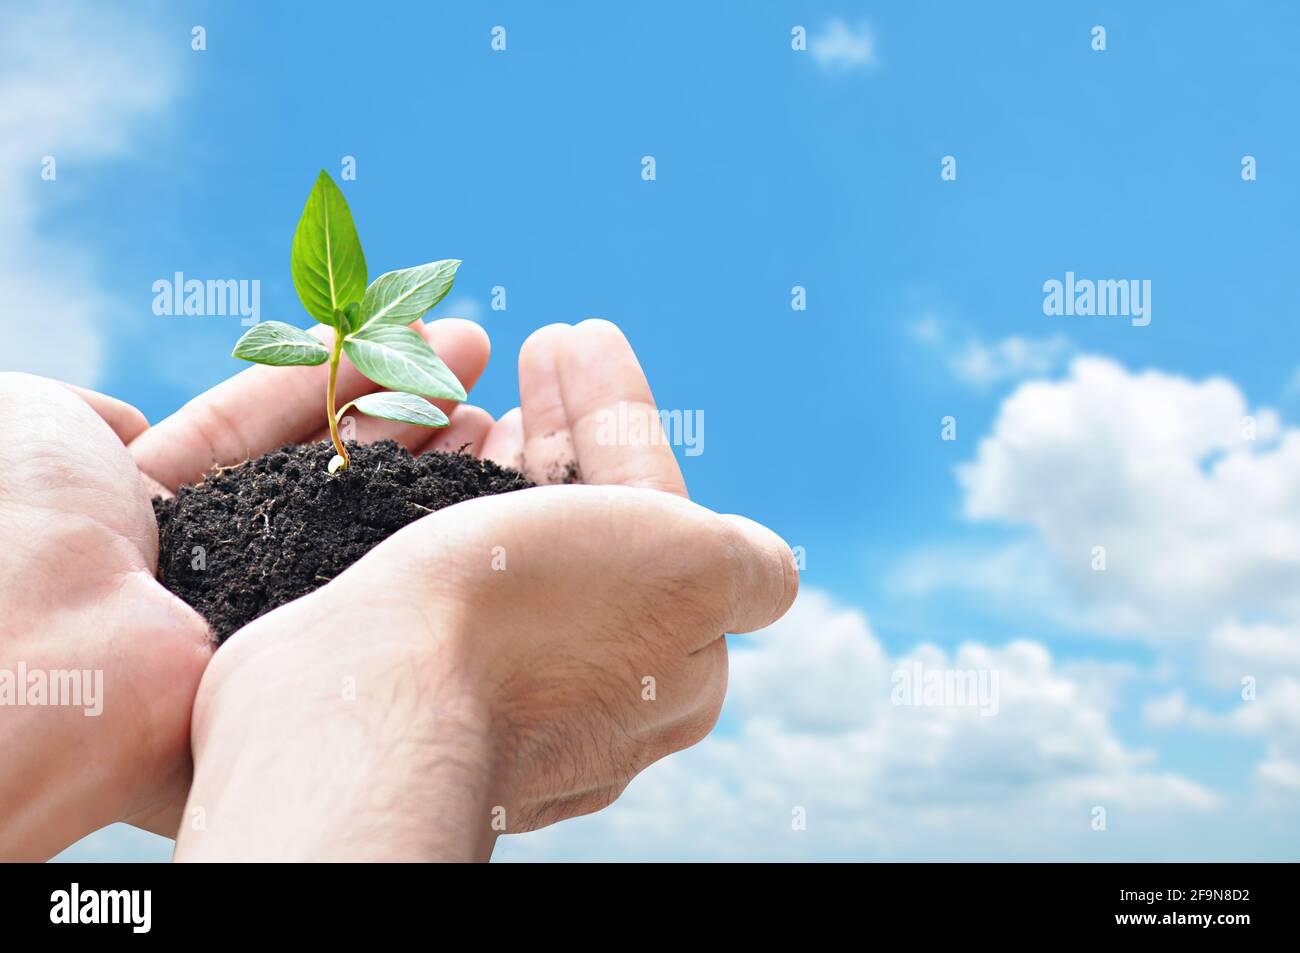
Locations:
(757, 569)
(504, 443)
(468, 429)
(264, 408)
(254, 411)
(615, 427)
(60, 452)
(547, 443)
(124, 420)
(700, 574)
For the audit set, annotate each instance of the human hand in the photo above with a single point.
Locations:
(485, 668)
(497, 666)
(79, 596)
(81, 587)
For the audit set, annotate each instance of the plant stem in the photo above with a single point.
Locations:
(335, 354)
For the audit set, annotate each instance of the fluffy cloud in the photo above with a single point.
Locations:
(814, 727)
(76, 80)
(1236, 650)
(982, 364)
(844, 46)
(1260, 665)
(1197, 519)
(1193, 501)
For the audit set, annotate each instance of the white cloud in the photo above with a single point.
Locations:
(815, 727)
(1011, 358)
(1279, 772)
(1271, 714)
(1196, 502)
(844, 46)
(1236, 649)
(1196, 521)
(982, 364)
(76, 82)
(1166, 710)
(1014, 577)
(1259, 665)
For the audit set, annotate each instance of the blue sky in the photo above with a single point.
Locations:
(818, 168)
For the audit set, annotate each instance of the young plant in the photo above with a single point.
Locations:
(370, 322)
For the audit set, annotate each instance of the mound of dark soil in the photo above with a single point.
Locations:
(252, 537)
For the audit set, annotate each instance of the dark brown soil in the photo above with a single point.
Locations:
(252, 537)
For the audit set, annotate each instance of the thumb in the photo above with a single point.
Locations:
(765, 581)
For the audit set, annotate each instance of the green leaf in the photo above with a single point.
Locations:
(274, 342)
(406, 408)
(329, 268)
(399, 358)
(350, 314)
(400, 297)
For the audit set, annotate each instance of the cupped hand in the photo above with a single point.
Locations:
(79, 581)
(497, 665)
(98, 662)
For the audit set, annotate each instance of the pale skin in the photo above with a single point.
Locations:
(77, 585)
(422, 701)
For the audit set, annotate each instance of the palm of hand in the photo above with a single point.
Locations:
(81, 596)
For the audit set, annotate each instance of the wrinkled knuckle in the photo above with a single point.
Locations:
(784, 576)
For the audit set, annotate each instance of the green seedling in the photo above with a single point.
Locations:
(370, 322)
